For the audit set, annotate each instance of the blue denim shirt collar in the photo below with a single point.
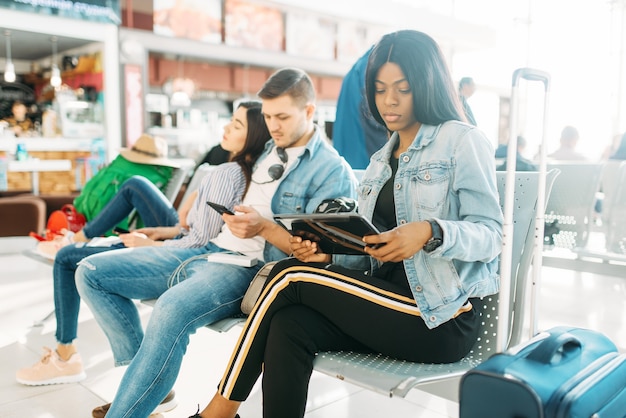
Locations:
(321, 174)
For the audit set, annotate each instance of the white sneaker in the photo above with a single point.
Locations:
(49, 249)
(51, 370)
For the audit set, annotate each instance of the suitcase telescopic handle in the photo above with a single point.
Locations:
(504, 311)
(555, 348)
(531, 74)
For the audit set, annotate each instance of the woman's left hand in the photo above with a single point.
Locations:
(307, 250)
(159, 233)
(136, 239)
(400, 243)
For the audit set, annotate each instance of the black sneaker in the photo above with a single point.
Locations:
(197, 414)
(166, 404)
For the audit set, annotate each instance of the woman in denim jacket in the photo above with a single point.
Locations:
(432, 188)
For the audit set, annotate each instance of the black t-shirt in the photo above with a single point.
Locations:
(216, 155)
(384, 218)
(385, 210)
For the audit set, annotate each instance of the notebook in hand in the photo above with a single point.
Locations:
(335, 233)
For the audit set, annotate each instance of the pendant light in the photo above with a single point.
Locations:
(182, 88)
(9, 69)
(55, 73)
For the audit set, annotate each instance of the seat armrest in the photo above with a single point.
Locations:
(19, 215)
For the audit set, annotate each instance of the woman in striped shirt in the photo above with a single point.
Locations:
(245, 136)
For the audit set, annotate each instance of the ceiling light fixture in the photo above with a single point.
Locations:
(180, 99)
(182, 88)
(55, 73)
(9, 69)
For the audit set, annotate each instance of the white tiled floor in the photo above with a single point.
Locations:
(566, 298)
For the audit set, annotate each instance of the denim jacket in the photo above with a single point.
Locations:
(447, 174)
(320, 173)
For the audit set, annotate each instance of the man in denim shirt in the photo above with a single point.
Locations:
(296, 172)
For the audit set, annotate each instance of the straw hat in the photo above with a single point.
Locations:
(148, 150)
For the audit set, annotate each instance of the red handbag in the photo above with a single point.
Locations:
(66, 218)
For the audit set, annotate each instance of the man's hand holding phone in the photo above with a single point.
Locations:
(247, 225)
(221, 209)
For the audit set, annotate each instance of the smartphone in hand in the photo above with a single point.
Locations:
(221, 209)
(119, 230)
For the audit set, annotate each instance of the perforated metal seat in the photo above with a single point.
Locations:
(614, 186)
(610, 260)
(572, 201)
(394, 377)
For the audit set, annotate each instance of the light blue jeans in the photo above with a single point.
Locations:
(192, 293)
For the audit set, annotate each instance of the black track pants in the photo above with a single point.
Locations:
(307, 308)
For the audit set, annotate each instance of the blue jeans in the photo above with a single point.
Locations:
(136, 193)
(66, 298)
(192, 293)
(153, 208)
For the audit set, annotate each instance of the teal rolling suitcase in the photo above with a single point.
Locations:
(564, 372)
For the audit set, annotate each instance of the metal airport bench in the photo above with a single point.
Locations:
(572, 204)
(393, 377)
(572, 201)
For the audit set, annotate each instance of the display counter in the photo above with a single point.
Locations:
(9, 144)
(79, 151)
(35, 167)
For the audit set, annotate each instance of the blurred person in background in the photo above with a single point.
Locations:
(617, 143)
(356, 135)
(467, 87)
(521, 163)
(620, 152)
(19, 122)
(567, 151)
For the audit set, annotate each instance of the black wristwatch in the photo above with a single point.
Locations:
(436, 240)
